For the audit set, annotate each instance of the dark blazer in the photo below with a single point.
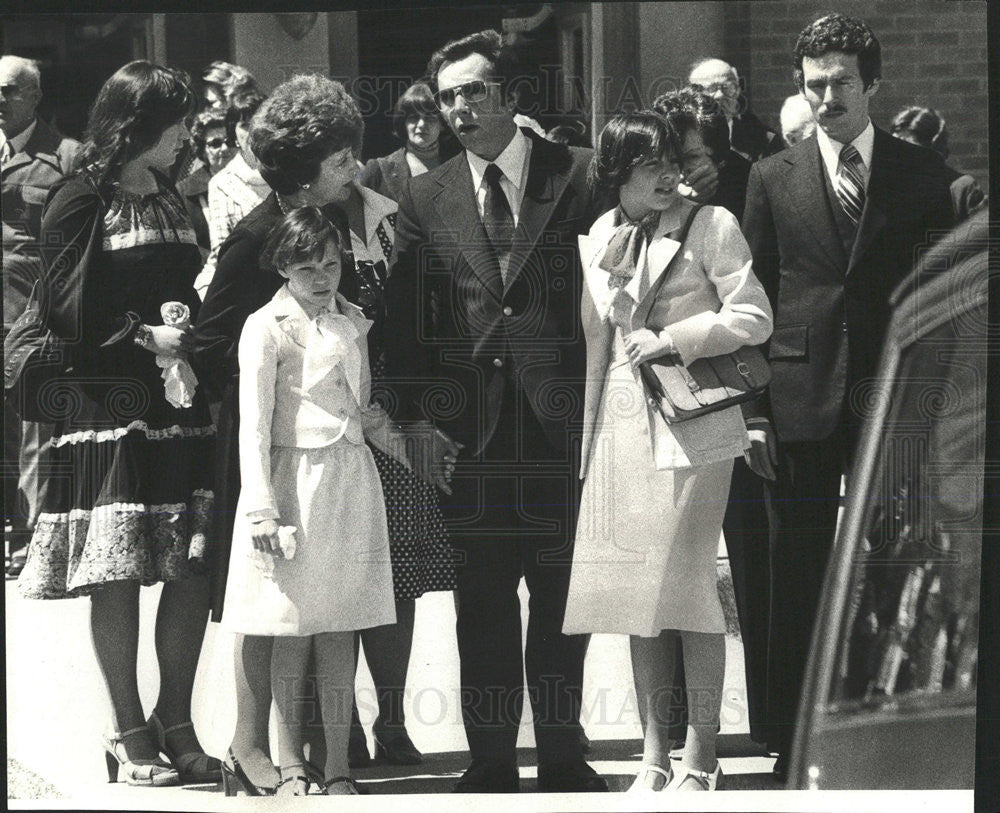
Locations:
(192, 189)
(386, 175)
(830, 307)
(753, 139)
(456, 333)
(47, 157)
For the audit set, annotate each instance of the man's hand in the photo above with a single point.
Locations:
(762, 456)
(434, 455)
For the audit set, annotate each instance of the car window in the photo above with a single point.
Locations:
(912, 620)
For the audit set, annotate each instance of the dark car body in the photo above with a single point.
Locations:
(890, 695)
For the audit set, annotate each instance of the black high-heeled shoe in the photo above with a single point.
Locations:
(357, 789)
(234, 779)
(194, 767)
(147, 772)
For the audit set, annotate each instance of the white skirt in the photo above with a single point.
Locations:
(647, 540)
(340, 578)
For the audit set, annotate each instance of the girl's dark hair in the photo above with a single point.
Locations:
(304, 121)
(625, 142)
(205, 121)
(923, 124)
(132, 110)
(417, 100)
(301, 235)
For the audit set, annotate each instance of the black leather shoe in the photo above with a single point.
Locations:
(357, 750)
(569, 777)
(16, 564)
(399, 750)
(780, 769)
(489, 777)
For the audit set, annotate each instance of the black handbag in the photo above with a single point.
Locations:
(682, 392)
(33, 357)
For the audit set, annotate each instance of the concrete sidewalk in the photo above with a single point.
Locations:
(56, 711)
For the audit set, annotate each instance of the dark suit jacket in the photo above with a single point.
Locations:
(455, 334)
(752, 139)
(47, 157)
(192, 189)
(830, 307)
(386, 175)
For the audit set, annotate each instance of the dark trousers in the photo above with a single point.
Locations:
(746, 527)
(513, 514)
(25, 475)
(805, 498)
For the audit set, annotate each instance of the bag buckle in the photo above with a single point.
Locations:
(743, 369)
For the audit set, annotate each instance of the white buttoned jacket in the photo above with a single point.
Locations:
(297, 391)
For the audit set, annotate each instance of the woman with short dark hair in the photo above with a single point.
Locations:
(417, 122)
(654, 494)
(214, 144)
(237, 188)
(119, 257)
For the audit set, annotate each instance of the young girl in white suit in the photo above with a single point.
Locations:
(310, 557)
(655, 494)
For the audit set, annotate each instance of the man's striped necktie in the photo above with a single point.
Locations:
(851, 183)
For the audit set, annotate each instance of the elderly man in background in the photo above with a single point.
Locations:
(33, 156)
(797, 122)
(748, 135)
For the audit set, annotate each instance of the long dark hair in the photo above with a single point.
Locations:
(132, 110)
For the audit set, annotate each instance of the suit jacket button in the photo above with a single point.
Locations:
(652, 401)
(843, 327)
(508, 310)
(497, 362)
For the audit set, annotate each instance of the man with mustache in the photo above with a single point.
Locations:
(834, 223)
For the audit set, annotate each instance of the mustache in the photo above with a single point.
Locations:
(836, 108)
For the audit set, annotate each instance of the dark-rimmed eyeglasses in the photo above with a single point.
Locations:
(474, 91)
(217, 143)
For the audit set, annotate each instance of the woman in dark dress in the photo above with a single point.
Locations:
(305, 137)
(134, 509)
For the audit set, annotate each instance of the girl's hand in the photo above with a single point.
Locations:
(168, 341)
(643, 345)
(264, 534)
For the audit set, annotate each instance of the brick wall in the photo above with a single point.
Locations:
(933, 54)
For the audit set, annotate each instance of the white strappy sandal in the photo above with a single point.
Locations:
(701, 779)
(638, 785)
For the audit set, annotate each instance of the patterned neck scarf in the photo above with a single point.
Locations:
(621, 257)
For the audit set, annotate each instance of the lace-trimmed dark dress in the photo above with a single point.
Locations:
(130, 495)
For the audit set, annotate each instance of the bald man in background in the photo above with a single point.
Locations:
(748, 135)
(33, 157)
(797, 122)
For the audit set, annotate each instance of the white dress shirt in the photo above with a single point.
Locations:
(830, 151)
(513, 163)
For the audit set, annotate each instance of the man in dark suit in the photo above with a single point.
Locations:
(749, 137)
(484, 302)
(33, 157)
(834, 224)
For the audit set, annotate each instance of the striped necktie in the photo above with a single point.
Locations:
(851, 183)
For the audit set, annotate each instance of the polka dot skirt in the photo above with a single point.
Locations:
(418, 542)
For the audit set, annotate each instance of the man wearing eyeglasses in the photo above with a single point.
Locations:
(33, 156)
(749, 137)
(484, 304)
